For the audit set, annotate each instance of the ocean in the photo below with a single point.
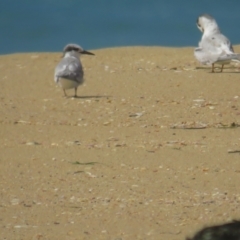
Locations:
(48, 25)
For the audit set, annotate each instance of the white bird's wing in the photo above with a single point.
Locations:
(69, 68)
(205, 55)
(221, 43)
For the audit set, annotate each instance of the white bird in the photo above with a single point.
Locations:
(69, 71)
(214, 47)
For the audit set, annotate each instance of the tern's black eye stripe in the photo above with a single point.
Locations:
(75, 49)
(72, 49)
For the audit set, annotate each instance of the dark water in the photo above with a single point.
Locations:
(47, 25)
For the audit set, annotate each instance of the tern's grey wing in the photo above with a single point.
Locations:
(69, 68)
(207, 57)
(221, 42)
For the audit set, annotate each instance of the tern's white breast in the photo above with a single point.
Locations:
(67, 84)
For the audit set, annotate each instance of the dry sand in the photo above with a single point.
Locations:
(149, 150)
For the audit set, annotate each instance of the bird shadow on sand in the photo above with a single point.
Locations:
(228, 72)
(89, 97)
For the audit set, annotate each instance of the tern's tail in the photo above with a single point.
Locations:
(236, 57)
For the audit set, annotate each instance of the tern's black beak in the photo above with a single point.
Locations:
(199, 26)
(197, 22)
(86, 52)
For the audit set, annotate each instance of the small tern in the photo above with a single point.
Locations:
(69, 72)
(214, 47)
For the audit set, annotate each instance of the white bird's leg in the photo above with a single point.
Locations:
(75, 92)
(64, 92)
(213, 68)
(222, 67)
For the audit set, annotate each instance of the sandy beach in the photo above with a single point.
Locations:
(149, 149)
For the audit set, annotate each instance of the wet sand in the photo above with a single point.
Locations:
(149, 149)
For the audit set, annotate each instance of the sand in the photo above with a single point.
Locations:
(149, 149)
